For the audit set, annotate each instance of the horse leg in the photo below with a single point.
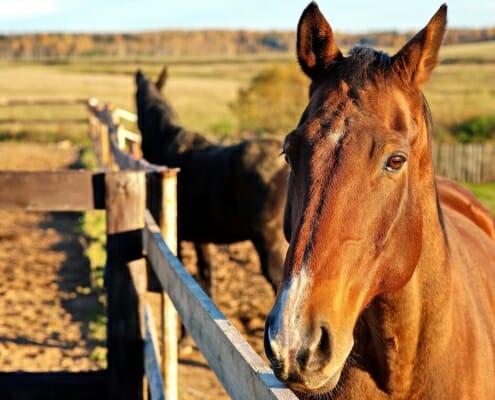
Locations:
(271, 248)
(205, 268)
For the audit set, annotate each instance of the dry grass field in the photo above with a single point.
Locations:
(202, 89)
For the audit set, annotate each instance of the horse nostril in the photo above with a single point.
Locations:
(268, 339)
(319, 355)
(324, 345)
(267, 345)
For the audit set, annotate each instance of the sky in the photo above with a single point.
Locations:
(352, 16)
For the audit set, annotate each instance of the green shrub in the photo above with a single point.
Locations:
(273, 101)
(477, 129)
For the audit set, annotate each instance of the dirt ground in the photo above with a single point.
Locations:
(44, 304)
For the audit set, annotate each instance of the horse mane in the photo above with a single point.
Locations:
(363, 65)
(429, 131)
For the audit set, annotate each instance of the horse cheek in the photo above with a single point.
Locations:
(399, 261)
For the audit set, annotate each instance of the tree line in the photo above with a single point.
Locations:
(195, 42)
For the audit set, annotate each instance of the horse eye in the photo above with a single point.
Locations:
(395, 162)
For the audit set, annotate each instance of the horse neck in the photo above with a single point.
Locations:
(399, 323)
(168, 116)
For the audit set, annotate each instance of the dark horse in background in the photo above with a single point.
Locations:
(389, 279)
(225, 194)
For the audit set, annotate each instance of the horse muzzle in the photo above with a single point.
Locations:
(304, 362)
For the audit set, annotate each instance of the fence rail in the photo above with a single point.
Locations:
(39, 101)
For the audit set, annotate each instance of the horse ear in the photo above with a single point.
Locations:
(162, 78)
(419, 56)
(139, 77)
(316, 47)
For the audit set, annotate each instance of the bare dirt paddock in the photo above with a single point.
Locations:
(45, 308)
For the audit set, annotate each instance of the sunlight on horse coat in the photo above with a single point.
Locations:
(389, 279)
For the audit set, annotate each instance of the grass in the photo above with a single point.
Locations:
(472, 53)
(92, 226)
(458, 92)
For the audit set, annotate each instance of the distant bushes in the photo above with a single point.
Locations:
(273, 101)
(475, 130)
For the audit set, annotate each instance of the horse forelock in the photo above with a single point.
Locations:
(363, 65)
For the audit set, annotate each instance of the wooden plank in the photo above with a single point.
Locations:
(241, 371)
(125, 280)
(162, 203)
(130, 135)
(105, 147)
(43, 121)
(152, 359)
(53, 385)
(488, 163)
(64, 190)
(168, 227)
(42, 101)
(124, 114)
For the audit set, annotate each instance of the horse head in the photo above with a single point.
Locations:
(360, 192)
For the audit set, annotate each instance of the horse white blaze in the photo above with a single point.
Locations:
(284, 333)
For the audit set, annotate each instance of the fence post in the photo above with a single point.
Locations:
(125, 280)
(163, 207)
(168, 226)
(488, 163)
(105, 150)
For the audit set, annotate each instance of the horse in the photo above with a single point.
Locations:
(388, 289)
(226, 194)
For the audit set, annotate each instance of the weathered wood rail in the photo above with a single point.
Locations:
(135, 194)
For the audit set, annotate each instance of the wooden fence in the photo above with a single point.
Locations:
(473, 162)
(135, 194)
(64, 101)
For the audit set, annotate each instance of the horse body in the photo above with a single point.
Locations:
(431, 339)
(459, 199)
(245, 192)
(225, 194)
(389, 279)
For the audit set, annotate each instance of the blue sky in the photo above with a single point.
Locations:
(19, 16)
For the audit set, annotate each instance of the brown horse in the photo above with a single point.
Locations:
(388, 293)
